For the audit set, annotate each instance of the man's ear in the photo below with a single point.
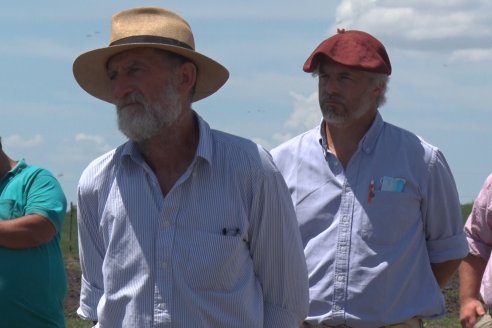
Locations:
(188, 75)
(379, 88)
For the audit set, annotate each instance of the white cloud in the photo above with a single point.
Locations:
(306, 112)
(267, 144)
(472, 55)
(96, 141)
(426, 25)
(233, 10)
(305, 115)
(17, 141)
(278, 138)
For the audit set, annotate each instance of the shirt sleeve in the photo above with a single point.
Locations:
(91, 251)
(277, 252)
(478, 227)
(441, 212)
(45, 197)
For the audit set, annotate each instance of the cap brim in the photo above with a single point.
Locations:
(90, 70)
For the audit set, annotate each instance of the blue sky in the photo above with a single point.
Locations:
(441, 86)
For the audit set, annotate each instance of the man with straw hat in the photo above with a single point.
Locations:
(183, 225)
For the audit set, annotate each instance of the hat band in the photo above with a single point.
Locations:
(150, 39)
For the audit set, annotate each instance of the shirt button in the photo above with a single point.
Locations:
(164, 264)
(340, 278)
(167, 223)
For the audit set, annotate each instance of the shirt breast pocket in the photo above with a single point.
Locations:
(215, 261)
(391, 217)
(9, 209)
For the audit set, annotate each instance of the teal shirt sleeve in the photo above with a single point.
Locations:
(45, 197)
(34, 190)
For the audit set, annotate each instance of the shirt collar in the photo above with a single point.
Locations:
(322, 135)
(21, 164)
(205, 143)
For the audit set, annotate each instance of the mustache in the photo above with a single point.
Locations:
(332, 98)
(132, 98)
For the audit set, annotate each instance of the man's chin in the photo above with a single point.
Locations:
(136, 137)
(139, 134)
(339, 122)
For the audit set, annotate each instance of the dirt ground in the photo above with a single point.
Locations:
(451, 294)
(73, 277)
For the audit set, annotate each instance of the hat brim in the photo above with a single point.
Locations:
(90, 70)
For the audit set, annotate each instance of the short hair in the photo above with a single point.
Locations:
(382, 80)
(0, 142)
(175, 60)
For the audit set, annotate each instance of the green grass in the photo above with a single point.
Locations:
(466, 210)
(70, 249)
(446, 322)
(451, 292)
(69, 243)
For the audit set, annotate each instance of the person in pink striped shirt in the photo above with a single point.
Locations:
(476, 268)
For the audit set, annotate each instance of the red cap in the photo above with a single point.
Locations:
(355, 49)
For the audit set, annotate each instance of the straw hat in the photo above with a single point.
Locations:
(147, 27)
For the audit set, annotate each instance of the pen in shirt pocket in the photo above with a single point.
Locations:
(370, 192)
(231, 232)
(234, 232)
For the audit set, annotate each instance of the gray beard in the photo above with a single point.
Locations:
(347, 117)
(144, 120)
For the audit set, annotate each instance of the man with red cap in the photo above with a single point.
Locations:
(377, 206)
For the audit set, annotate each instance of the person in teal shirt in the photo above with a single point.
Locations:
(33, 281)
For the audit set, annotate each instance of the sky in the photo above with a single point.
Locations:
(440, 87)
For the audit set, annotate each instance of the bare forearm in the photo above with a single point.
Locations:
(26, 232)
(443, 271)
(471, 272)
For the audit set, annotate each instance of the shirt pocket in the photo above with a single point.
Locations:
(9, 209)
(216, 261)
(390, 218)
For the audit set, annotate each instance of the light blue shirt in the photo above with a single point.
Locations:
(370, 231)
(221, 249)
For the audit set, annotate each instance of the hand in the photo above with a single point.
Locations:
(470, 310)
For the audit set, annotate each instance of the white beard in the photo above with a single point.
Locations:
(141, 120)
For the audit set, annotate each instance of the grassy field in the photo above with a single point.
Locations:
(451, 293)
(70, 251)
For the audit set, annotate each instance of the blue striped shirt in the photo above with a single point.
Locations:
(371, 230)
(221, 249)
